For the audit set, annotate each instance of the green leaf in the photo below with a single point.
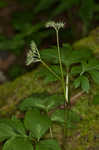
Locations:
(6, 132)
(76, 70)
(58, 116)
(64, 6)
(95, 76)
(96, 99)
(47, 76)
(77, 82)
(9, 128)
(49, 144)
(43, 5)
(70, 116)
(18, 143)
(18, 126)
(37, 123)
(86, 11)
(91, 65)
(85, 83)
(43, 101)
(68, 56)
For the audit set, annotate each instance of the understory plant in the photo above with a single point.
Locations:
(73, 69)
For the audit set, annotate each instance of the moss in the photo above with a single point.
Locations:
(24, 86)
(86, 134)
(92, 41)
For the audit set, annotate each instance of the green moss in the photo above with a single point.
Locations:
(92, 41)
(24, 86)
(86, 134)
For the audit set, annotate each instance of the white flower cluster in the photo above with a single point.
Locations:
(33, 54)
(55, 25)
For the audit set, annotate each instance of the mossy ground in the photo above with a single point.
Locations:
(86, 134)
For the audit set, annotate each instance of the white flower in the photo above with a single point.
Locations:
(55, 25)
(33, 54)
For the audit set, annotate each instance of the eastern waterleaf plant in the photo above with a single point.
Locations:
(26, 134)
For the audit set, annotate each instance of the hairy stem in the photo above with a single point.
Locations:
(60, 62)
(50, 70)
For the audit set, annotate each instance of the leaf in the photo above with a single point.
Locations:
(76, 70)
(91, 65)
(9, 128)
(85, 83)
(43, 5)
(42, 101)
(86, 11)
(49, 144)
(50, 55)
(18, 126)
(37, 123)
(6, 132)
(95, 76)
(64, 6)
(58, 116)
(96, 99)
(70, 116)
(77, 82)
(18, 143)
(47, 76)
(68, 56)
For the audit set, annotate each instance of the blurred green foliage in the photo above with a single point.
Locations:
(28, 19)
(15, 71)
(3, 4)
(28, 22)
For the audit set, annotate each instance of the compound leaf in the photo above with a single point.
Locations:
(42, 101)
(77, 82)
(70, 116)
(49, 144)
(18, 143)
(68, 55)
(85, 83)
(95, 76)
(37, 123)
(6, 132)
(75, 70)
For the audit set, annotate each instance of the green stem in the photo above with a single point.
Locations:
(66, 102)
(50, 70)
(67, 87)
(51, 132)
(60, 62)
